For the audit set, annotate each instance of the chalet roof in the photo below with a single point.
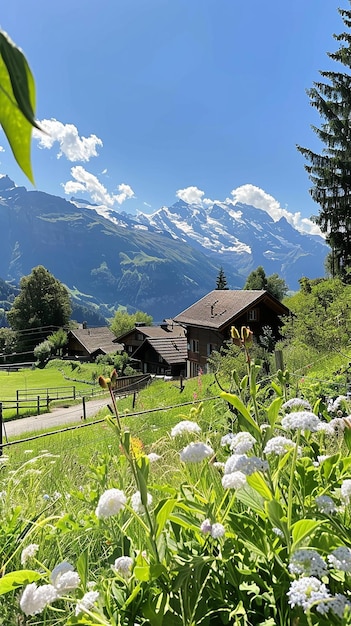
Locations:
(221, 307)
(171, 349)
(171, 330)
(94, 339)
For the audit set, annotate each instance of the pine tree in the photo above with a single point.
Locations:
(330, 171)
(221, 280)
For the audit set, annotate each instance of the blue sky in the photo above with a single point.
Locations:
(147, 101)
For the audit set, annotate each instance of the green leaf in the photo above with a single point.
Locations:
(17, 102)
(257, 482)
(347, 438)
(302, 529)
(13, 580)
(237, 403)
(82, 567)
(278, 390)
(163, 514)
(273, 411)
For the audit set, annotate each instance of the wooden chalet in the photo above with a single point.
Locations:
(163, 356)
(87, 343)
(208, 322)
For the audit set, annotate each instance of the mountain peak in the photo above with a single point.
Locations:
(6, 183)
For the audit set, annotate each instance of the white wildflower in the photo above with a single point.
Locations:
(110, 503)
(206, 527)
(340, 559)
(185, 426)
(123, 566)
(68, 581)
(301, 420)
(346, 490)
(136, 503)
(296, 403)
(338, 424)
(153, 457)
(277, 531)
(87, 602)
(29, 552)
(227, 439)
(278, 445)
(246, 464)
(309, 592)
(326, 504)
(196, 452)
(242, 442)
(334, 405)
(59, 569)
(217, 530)
(338, 604)
(234, 480)
(308, 563)
(34, 599)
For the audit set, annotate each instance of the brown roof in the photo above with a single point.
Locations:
(171, 349)
(222, 306)
(173, 330)
(93, 339)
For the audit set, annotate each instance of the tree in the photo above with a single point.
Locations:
(123, 321)
(43, 301)
(58, 340)
(273, 283)
(221, 280)
(330, 171)
(42, 351)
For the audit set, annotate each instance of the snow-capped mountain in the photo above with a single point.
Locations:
(242, 236)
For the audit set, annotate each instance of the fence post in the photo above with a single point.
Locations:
(84, 411)
(74, 392)
(17, 402)
(38, 405)
(279, 363)
(0, 428)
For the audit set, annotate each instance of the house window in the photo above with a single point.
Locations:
(194, 345)
(252, 315)
(210, 348)
(139, 337)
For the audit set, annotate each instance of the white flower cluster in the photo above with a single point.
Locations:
(63, 579)
(340, 559)
(186, 426)
(153, 457)
(196, 452)
(296, 404)
(110, 503)
(137, 504)
(242, 442)
(278, 445)
(123, 566)
(234, 480)
(308, 592)
(307, 562)
(216, 530)
(86, 602)
(301, 420)
(246, 464)
(326, 505)
(345, 491)
(29, 552)
(334, 405)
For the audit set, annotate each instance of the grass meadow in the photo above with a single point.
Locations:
(205, 507)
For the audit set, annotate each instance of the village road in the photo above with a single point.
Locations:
(58, 417)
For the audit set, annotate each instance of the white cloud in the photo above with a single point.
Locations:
(254, 196)
(72, 146)
(193, 195)
(90, 184)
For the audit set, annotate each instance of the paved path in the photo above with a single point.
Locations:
(58, 417)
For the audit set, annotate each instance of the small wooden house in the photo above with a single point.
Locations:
(87, 343)
(209, 320)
